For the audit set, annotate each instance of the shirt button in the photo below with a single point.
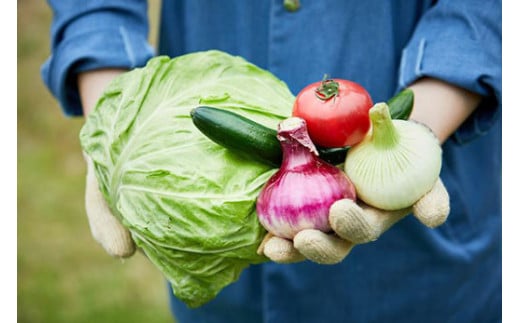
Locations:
(291, 5)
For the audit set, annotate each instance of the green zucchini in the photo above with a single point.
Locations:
(334, 156)
(242, 135)
(253, 140)
(401, 105)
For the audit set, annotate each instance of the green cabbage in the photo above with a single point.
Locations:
(189, 203)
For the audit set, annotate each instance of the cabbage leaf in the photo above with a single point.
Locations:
(188, 203)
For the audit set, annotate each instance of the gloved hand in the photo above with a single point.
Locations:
(105, 228)
(353, 224)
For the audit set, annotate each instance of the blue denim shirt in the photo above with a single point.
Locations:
(410, 274)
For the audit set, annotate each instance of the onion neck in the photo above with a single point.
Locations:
(384, 133)
(298, 148)
(295, 155)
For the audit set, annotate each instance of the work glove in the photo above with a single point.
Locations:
(105, 227)
(353, 223)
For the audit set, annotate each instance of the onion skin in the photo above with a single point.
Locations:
(299, 195)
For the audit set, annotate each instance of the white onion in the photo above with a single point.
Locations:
(396, 164)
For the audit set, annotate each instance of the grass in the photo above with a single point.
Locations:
(63, 275)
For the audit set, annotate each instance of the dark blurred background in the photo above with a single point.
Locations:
(63, 275)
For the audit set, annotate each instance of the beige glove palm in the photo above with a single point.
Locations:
(105, 228)
(353, 224)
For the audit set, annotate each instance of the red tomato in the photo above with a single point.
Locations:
(336, 112)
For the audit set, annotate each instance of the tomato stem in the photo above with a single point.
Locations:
(327, 89)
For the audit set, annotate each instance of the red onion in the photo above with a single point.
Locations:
(299, 195)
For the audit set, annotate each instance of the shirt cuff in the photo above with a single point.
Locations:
(456, 63)
(93, 48)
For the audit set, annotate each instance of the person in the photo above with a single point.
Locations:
(448, 52)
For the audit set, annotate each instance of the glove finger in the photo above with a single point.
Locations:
(361, 223)
(320, 247)
(279, 250)
(433, 208)
(105, 228)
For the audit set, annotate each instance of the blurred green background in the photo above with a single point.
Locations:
(63, 275)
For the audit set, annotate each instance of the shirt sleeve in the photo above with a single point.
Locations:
(94, 34)
(460, 42)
